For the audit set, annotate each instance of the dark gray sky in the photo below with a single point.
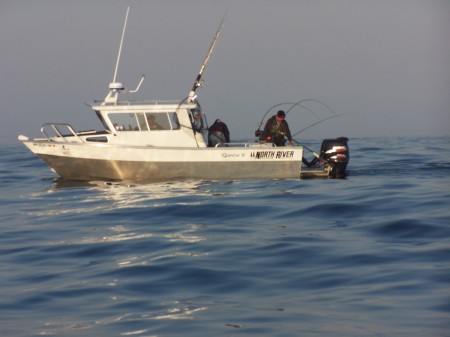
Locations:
(385, 62)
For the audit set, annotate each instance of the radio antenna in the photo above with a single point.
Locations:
(121, 43)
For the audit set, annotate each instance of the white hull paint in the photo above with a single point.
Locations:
(97, 161)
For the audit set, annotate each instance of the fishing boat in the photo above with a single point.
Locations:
(145, 141)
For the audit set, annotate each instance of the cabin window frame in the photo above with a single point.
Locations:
(123, 124)
(138, 121)
(102, 119)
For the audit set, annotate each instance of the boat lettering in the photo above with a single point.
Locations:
(44, 145)
(272, 154)
(230, 155)
(263, 154)
(285, 154)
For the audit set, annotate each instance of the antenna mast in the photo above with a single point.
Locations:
(117, 87)
(121, 44)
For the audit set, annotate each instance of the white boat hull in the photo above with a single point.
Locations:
(98, 161)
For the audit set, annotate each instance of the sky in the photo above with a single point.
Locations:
(383, 66)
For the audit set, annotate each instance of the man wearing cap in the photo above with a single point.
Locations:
(276, 130)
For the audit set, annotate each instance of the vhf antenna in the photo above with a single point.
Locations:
(116, 87)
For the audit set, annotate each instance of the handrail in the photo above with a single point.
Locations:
(143, 102)
(245, 144)
(56, 127)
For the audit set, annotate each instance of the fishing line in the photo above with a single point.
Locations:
(300, 104)
(264, 116)
(316, 101)
(303, 106)
(314, 153)
(323, 120)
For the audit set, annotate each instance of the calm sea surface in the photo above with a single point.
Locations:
(364, 256)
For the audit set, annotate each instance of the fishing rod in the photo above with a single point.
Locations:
(293, 105)
(299, 103)
(258, 131)
(265, 114)
(321, 121)
(198, 80)
(314, 153)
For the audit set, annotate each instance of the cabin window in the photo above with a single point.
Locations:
(197, 119)
(100, 139)
(142, 121)
(174, 120)
(124, 121)
(158, 121)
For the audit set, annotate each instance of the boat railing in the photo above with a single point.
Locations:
(141, 102)
(244, 144)
(61, 131)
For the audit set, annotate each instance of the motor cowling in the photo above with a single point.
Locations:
(336, 153)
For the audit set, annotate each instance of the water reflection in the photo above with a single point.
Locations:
(127, 195)
(186, 236)
(178, 310)
(175, 310)
(98, 196)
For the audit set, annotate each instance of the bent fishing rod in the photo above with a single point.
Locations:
(323, 120)
(299, 104)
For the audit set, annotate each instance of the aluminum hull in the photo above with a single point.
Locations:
(144, 164)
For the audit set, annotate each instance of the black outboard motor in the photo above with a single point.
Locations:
(336, 153)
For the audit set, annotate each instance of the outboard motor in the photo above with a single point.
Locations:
(336, 153)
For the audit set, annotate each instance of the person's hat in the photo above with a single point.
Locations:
(281, 113)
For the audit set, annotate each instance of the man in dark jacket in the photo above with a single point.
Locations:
(276, 130)
(218, 133)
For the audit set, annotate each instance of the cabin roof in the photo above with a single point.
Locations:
(155, 106)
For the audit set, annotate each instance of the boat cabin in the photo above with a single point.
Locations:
(154, 123)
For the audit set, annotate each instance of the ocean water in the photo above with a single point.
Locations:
(364, 256)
